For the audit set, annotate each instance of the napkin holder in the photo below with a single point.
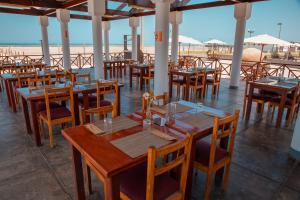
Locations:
(158, 120)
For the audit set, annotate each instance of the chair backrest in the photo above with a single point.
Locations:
(62, 76)
(172, 156)
(59, 95)
(107, 88)
(296, 94)
(39, 81)
(200, 77)
(82, 78)
(22, 78)
(217, 75)
(223, 128)
(163, 97)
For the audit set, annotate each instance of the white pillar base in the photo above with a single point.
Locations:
(295, 144)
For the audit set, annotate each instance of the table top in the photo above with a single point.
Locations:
(109, 160)
(38, 93)
(13, 76)
(117, 60)
(192, 71)
(277, 82)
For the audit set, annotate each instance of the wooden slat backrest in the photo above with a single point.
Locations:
(178, 155)
(82, 78)
(163, 97)
(200, 78)
(223, 128)
(22, 78)
(59, 95)
(39, 81)
(106, 88)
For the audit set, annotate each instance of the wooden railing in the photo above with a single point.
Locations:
(249, 70)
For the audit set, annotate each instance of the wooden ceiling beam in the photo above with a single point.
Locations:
(32, 3)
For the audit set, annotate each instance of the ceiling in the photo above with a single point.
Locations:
(115, 9)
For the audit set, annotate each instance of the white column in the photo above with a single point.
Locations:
(44, 24)
(63, 16)
(134, 22)
(96, 9)
(295, 145)
(175, 20)
(161, 78)
(242, 12)
(142, 34)
(106, 28)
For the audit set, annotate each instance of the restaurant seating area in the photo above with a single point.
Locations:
(258, 164)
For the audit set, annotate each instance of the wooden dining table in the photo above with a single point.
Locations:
(10, 80)
(187, 74)
(31, 97)
(110, 162)
(112, 66)
(142, 70)
(280, 85)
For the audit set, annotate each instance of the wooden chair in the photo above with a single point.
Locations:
(197, 84)
(23, 81)
(39, 81)
(210, 158)
(154, 181)
(102, 106)
(292, 103)
(58, 115)
(214, 80)
(63, 77)
(256, 97)
(164, 98)
(150, 75)
(82, 78)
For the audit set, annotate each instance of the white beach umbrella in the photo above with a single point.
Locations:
(187, 40)
(266, 39)
(215, 42)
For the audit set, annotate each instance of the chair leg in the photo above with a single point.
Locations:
(87, 171)
(51, 136)
(226, 177)
(208, 186)
(244, 107)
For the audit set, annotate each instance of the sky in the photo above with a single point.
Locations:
(204, 24)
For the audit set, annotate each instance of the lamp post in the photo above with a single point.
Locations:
(250, 32)
(279, 33)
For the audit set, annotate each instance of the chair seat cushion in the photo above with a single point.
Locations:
(57, 113)
(134, 182)
(41, 106)
(203, 153)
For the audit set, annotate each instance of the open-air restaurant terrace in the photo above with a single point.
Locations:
(167, 124)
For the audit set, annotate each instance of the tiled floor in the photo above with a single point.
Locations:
(261, 169)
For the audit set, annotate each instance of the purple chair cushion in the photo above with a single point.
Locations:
(41, 106)
(57, 113)
(93, 101)
(203, 153)
(288, 101)
(133, 183)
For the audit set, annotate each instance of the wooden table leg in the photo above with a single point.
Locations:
(78, 173)
(142, 78)
(7, 93)
(112, 188)
(281, 109)
(119, 102)
(35, 124)
(189, 183)
(12, 97)
(76, 109)
(105, 72)
(130, 77)
(26, 115)
(187, 89)
(170, 85)
(249, 102)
